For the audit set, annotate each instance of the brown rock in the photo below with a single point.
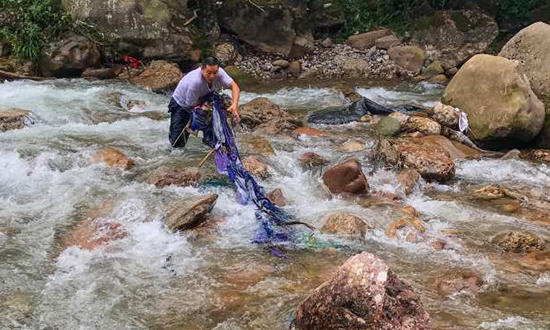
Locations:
(408, 180)
(163, 177)
(353, 146)
(410, 58)
(105, 73)
(191, 213)
(263, 116)
(366, 41)
(542, 155)
(14, 118)
(518, 242)
(256, 167)
(310, 160)
(352, 67)
(346, 177)
(428, 158)
(345, 224)
(423, 125)
(445, 115)
(226, 53)
(113, 158)
(295, 68)
(159, 76)
(69, 56)
(259, 145)
(455, 149)
(387, 42)
(440, 79)
(276, 197)
(309, 131)
(489, 192)
(537, 261)
(363, 294)
(459, 281)
(410, 218)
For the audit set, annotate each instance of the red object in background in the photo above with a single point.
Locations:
(134, 63)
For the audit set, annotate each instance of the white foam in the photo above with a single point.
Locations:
(511, 323)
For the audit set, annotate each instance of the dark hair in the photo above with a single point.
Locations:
(210, 60)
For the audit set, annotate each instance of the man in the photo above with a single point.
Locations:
(191, 89)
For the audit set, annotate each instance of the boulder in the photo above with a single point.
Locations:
(387, 42)
(427, 157)
(262, 115)
(434, 69)
(518, 242)
(141, 29)
(159, 76)
(440, 79)
(191, 213)
(388, 126)
(256, 167)
(345, 224)
(531, 47)
(226, 53)
(164, 177)
(456, 281)
(69, 57)
(295, 68)
(276, 197)
(13, 118)
(408, 179)
(454, 36)
(303, 44)
(281, 63)
(502, 109)
(352, 67)
(363, 294)
(113, 158)
(268, 27)
(424, 126)
(455, 149)
(346, 177)
(366, 41)
(310, 160)
(105, 73)
(410, 58)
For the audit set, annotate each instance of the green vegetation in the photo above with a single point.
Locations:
(29, 24)
(517, 10)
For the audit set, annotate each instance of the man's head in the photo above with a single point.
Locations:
(210, 69)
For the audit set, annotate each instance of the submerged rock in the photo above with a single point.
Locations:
(408, 180)
(410, 218)
(163, 177)
(459, 281)
(345, 224)
(13, 118)
(363, 294)
(259, 145)
(353, 146)
(113, 158)
(346, 177)
(309, 131)
(310, 160)
(256, 167)
(518, 242)
(191, 213)
(537, 261)
(276, 197)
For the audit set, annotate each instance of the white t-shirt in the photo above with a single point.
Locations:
(193, 86)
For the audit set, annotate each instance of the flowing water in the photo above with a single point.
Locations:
(216, 278)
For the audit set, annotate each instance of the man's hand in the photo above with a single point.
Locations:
(235, 111)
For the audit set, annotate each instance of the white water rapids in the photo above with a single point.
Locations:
(220, 279)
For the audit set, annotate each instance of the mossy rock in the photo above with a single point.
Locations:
(388, 127)
(242, 78)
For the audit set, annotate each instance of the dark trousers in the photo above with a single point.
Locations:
(179, 118)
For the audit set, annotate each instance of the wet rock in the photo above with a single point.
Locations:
(455, 149)
(159, 76)
(276, 197)
(440, 79)
(69, 57)
(512, 154)
(259, 145)
(445, 115)
(400, 117)
(311, 160)
(346, 177)
(489, 192)
(353, 146)
(164, 177)
(518, 242)
(427, 157)
(366, 41)
(410, 218)
(102, 74)
(309, 131)
(482, 90)
(263, 116)
(459, 281)
(350, 93)
(423, 125)
(542, 155)
(387, 42)
(454, 36)
(434, 69)
(388, 126)
(191, 213)
(363, 294)
(13, 118)
(256, 167)
(407, 180)
(247, 276)
(438, 245)
(345, 224)
(410, 58)
(537, 261)
(113, 158)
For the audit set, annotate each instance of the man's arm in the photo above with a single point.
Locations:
(236, 93)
